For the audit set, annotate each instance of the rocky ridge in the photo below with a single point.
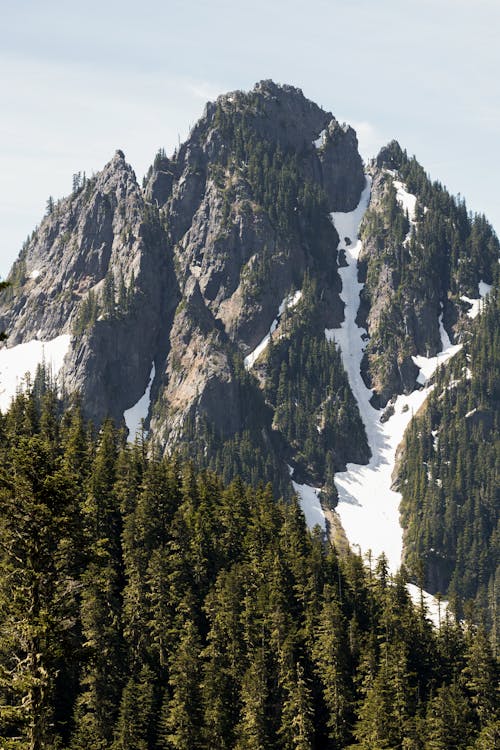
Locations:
(188, 274)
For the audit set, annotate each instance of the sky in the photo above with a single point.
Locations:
(79, 80)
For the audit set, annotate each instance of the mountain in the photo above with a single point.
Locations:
(200, 301)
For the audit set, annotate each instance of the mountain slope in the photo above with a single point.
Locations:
(87, 272)
(146, 605)
(449, 476)
(229, 302)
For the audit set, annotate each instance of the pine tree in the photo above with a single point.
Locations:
(330, 653)
(181, 719)
(102, 678)
(481, 678)
(297, 718)
(252, 728)
(447, 725)
(34, 588)
(134, 730)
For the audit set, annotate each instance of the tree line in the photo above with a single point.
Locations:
(146, 605)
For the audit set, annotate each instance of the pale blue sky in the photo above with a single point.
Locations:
(80, 80)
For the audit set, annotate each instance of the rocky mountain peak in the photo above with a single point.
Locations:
(390, 156)
(192, 276)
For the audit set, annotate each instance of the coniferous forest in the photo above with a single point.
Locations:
(145, 606)
(449, 476)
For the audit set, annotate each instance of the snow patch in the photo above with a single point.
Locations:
(133, 417)
(406, 200)
(473, 312)
(310, 504)
(475, 303)
(347, 224)
(289, 302)
(435, 441)
(435, 610)
(429, 365)
(320, 140)
(17, 361)
(484, 289)
(408, 203)
(35, 274)
(368, 506)
(286, 304)
(445, 339)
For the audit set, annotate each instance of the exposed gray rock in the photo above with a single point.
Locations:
(102, 236)
(342, 167)
(198, 266)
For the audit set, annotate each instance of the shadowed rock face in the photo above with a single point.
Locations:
(103, 236)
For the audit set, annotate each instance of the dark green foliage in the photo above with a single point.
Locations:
(450, 475)
(40, 544)
(253, 453)
(421, 272)
(306, 384)
(295, 204)
(145, 606)
(87, 313)
(115, 300)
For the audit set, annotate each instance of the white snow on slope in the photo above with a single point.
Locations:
(484, 288)
(475, 304)
(310, 504)
(429, 365)
(320, 140)
(406, 200)
(435, 611)
(473, 312)
(139, 410)
(286, 304)
(368, 507)
(19, 360)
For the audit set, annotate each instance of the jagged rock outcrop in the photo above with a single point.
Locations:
(98, 268)
(192, 271)
(421, 254)
(244, 252)
(188, 272)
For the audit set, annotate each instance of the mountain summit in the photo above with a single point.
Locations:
(266, 304)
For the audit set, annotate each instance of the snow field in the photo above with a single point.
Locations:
(475, 304)
(310, 504)
(286, 304)
(368, 506)
(139, 411)
(18, 361)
